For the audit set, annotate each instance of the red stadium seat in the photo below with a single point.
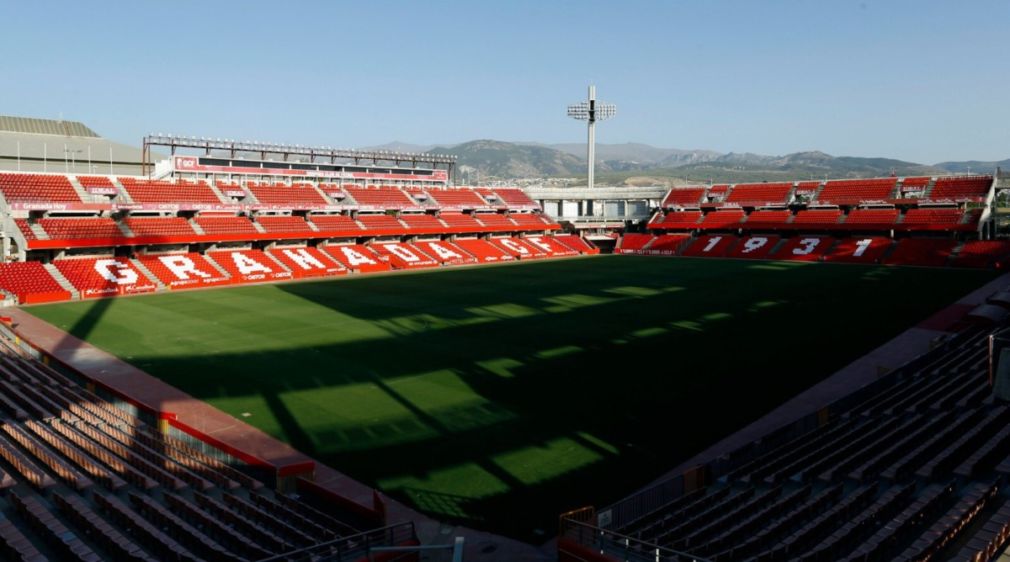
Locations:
(518, 248)
(37, 188)
(577, 243)
(764, 219)
(183, 271)
(381, 224)
(871, 219)
(972, 188)
(869, 249)
(676, 220)
(307, 262)
(82, 228)
(722, 219)
(753, 247)
(711, 245)
(921, 251)
(249, 266)
(380, 198)
(231, 225)
(459, 198)
(816, 219)
(683, 197)
(402, 255)
(803, 248)
(356, 257)
(633, 243)
(983, 253)
(295, 196)
(550, 245)
(483, 250)
(30, 283)
(336, 225)
(166, 192)
(754, 194)
(446, 252)
(276, 224)
(854, 192)
(104, 277)
(666, 244)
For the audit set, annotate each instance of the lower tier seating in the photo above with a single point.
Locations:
(249, 266)
(983, 253)
(356, 257)
(711, 245)
(633, 243)
(667, 244)
(753, 247)
(183, 271)
(103, 277)
(30, 283)
(445, 252)
(921, 251)
(307, 262)
(401, 255)
(868, 249)
(803, 248)
(483, 250)
(519, 248)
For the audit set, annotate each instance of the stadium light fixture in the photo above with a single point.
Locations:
(592, 112)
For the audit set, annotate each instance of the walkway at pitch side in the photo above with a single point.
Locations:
(231, 434)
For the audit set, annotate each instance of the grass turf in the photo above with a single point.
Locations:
(501, 396)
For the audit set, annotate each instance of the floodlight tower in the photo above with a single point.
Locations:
(591, 111)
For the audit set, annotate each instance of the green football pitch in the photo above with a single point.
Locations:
(501, 396)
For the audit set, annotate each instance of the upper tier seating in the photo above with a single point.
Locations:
(483, 250)
(676, 220)
(868, 249)
(284, 224)
(816, 218)
(182, 271)
(226, 225)
(683, 197)
(104, 277)
(336, 223)
(961, 188)
(335, 192)
(150, 191)
(30, 282)
(760, 193)
(159, 226)
(915, 183)
(921, 251)
(460, 222)
(307, 262)
(495, 221)
(25, 229)
(528, 221)
(380, 197)
(457, 198)
(94, 227)
(767, 219)
(514, 197)
(37, 188)
(422, 222)
(296, 196)
(722, 219)
(667, 244)
(95, 181)
(852, 192)
(381, 222)
(871, 219)
(932, 219)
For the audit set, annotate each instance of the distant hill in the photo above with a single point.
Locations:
(974, 166)
(637, 163)
(510, 160)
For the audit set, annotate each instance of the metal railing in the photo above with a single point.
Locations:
(621, 547)
(361, 546)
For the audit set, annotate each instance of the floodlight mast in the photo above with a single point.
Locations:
(591, 111)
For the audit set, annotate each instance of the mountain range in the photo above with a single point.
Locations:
(642, 163)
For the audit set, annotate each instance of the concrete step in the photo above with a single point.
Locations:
(139, 265)
(63, 281)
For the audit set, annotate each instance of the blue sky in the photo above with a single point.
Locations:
(923, 81)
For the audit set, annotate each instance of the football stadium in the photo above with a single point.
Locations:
(217, 349)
